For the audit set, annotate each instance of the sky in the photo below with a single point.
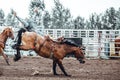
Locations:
(81, 8)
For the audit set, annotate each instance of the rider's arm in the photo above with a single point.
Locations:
(22, 21)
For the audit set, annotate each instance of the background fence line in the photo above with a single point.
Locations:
(98, 43)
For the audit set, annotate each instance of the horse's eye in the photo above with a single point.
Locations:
(10, 32)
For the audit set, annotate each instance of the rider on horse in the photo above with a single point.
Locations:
(28, 26)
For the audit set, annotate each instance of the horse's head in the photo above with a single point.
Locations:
(79, 54)
(9, 32)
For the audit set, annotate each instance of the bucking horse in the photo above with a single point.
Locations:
(46, 47)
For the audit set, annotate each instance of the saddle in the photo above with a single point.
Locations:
(70, 42)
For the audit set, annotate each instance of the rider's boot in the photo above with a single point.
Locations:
(15, 46)
(17, 56)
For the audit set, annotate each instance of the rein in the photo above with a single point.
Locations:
(41, 45)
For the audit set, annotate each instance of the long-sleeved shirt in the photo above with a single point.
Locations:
(25, 23)
(28, 24)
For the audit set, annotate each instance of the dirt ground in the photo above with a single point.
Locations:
(91, 70)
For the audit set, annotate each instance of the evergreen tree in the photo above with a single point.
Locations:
(36, 9)
(79, 23)
(2, 15)
(105, 24)
(92, 21)
(111, 17)
(87, 25)
(118, 19)
(47, 20)
(98, 22)
(10, 20)
(61, 17)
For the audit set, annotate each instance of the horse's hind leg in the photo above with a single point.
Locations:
(62, 68)
(54, 67)
(5, 56)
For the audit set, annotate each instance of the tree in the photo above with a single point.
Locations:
(36, 9)
(118, 19)
(92, 21)
(105, 24)
(79, 23)
(111, 13)
(2, 15)
(87, 23)
(47, 20)
(10, 20)
(98, 22)
(61, 17)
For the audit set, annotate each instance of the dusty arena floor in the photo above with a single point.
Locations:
(91, 70)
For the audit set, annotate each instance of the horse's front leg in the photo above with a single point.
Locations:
(5, 57)
(62, 68)
(54, 67)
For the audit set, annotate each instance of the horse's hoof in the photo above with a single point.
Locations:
(1, 73)
(56, 74)
(8, 64)
(68, 75)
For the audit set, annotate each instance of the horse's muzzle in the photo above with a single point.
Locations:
(12, 37)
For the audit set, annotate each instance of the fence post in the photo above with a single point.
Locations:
(99, 43)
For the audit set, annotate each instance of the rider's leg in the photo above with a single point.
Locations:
(17, 56)
(19, 36)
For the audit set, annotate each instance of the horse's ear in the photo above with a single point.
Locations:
(11, 28)
(3, 30)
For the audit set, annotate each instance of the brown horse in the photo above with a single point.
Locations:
(47, 48)
(117, 46)
(7, 32)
